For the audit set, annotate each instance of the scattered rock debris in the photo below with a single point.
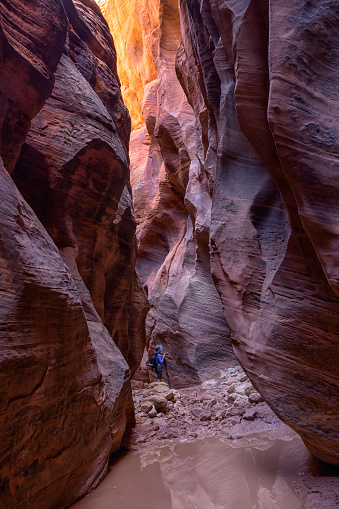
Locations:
(227, 406)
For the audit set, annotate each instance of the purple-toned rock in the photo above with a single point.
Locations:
(274, 213)
(32, 38)
(56, 413)
(69, 293)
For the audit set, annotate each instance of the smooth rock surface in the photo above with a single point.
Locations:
(274, 211)
(74, 155)
(56, 413)
(248, 159)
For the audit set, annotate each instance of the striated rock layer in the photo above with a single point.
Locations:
(67, 254)
(267, 76)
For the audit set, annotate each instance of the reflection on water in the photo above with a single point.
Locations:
(210, 473)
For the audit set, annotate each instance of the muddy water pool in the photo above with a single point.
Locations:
(252, 472)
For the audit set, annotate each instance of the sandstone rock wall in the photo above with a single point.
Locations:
(68, 247)
(267, 75)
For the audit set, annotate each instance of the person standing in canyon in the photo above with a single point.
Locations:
(160, 361)
(157, 361)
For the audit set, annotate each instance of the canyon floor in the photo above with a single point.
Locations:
(229, 408)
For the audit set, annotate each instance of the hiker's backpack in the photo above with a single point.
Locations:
(152, 362)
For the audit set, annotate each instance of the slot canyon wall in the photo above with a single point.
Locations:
(236, 170)
(275, 208)
(68, 247)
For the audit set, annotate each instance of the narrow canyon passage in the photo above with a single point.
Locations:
(169, 174)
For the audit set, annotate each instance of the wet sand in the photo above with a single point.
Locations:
(273, 470)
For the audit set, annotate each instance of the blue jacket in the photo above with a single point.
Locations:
(160, 359)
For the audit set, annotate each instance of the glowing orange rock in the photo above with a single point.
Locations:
(134, 25)
(102, 4)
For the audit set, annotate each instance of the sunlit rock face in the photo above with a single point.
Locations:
(134, 25)
(67, 254)
(266, 75)
(172, 189)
